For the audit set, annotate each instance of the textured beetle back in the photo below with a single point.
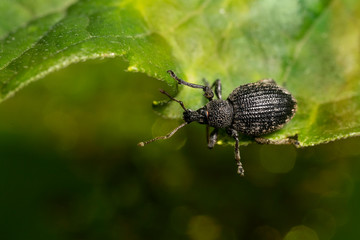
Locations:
(261, 108)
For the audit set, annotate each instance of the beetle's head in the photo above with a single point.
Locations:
(199, 116)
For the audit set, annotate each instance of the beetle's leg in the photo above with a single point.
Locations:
(216, 85)
(206, 83)
(237, 157)
(208, 93)
(268, 80)
(233, 133)
(218, 89)
(290, 140)
(213, 138)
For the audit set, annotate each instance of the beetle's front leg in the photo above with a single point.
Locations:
(233, 133)
(218, 88)
(208, 93)
(213, 138)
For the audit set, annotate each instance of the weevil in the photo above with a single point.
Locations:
(252, 109)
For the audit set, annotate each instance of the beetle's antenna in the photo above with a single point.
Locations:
(180, 102)
(141, 144)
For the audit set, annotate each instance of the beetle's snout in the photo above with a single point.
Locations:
(188, 116)
(195, 116)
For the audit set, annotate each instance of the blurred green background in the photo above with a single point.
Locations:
(70, 169)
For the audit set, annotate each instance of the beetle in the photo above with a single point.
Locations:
(252, 109)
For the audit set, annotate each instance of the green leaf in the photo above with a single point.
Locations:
(309, 46)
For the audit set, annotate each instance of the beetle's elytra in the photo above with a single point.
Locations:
(253, 109)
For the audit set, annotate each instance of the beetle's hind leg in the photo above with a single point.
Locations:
(233, 133)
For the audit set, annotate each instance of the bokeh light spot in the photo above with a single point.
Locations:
(322, 221)
(203, 228)
(301, 232)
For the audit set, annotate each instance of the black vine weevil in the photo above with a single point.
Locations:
(252, 109)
